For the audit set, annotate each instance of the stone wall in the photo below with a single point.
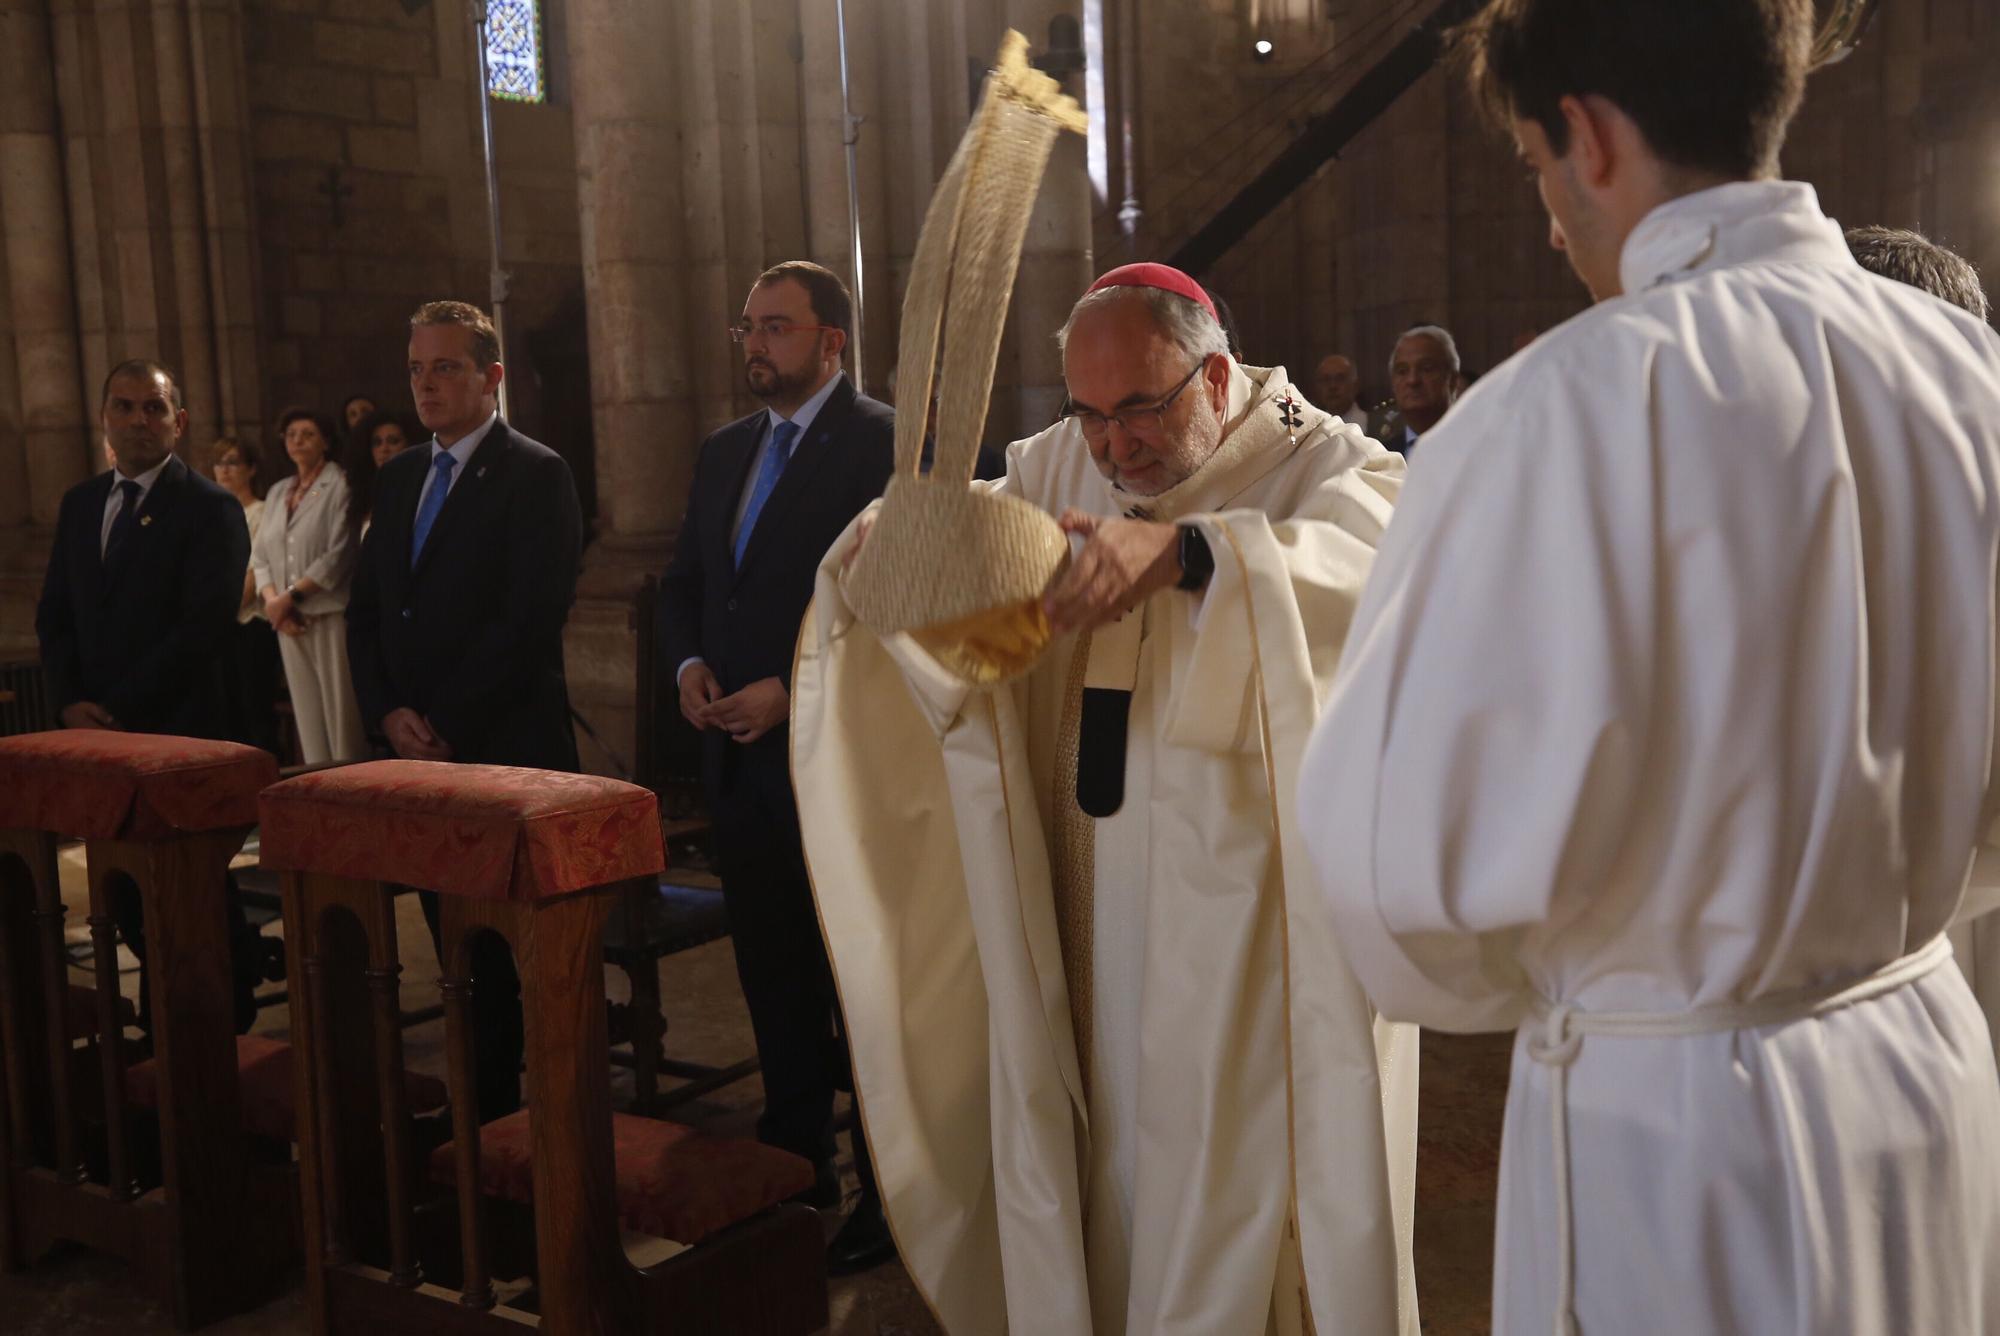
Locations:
(258, 194)
(1428, 217)
(370, 198)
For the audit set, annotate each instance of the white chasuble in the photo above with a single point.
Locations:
(1241, 1157)
(1672, 697)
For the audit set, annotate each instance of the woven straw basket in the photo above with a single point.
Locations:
(961, 568)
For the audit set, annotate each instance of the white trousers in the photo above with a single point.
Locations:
(323, 704)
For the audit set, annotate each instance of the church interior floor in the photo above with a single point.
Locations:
(1463, 1085)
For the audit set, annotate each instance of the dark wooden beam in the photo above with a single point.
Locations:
(1323, 137)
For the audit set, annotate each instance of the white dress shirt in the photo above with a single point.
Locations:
(116, 501)
(461, 450)
(803, 420)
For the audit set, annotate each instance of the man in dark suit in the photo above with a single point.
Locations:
(140, 595)
(454, 625)
(770, 494)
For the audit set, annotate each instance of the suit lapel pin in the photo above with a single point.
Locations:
(481, 473)
(144, 520)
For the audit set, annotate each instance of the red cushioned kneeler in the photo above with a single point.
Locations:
(264, 1076)
(537, 858)
(163, 815)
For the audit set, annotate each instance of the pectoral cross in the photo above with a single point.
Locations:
(335, 192)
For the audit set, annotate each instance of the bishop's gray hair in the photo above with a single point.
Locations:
(1193, 330)
(1438, 332)
(1913, 258)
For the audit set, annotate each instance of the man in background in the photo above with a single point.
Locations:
(1424, 376)
(140, 598)
(770, 494)
(1335, 385)
(454, 625)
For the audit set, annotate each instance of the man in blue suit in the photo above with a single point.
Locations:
(770, 494)
(454, 625)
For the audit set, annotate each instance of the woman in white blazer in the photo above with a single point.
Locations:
(303, 559)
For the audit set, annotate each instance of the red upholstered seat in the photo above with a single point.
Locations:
(264, 1076)
(97, 784)
(492, 832)
(673, 1182)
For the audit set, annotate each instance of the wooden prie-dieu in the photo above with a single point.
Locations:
(203, 1210)
(617, 1224)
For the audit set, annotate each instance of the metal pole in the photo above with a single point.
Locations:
(850, 136)
(496, 277)
(1129, 209)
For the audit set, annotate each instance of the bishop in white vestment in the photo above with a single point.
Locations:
(1666, 732)
(1113, 1072)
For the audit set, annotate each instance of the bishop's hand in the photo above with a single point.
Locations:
(1123, 563)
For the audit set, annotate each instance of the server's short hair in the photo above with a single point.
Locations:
(832, 304)
(1913, 258)
(485, 338)
(1712, 84)
(147, 367)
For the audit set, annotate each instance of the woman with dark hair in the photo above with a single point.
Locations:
(253, 651)
(378, 438)
(357, 407)
(303, 561)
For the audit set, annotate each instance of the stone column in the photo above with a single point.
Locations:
(1055, 261)
(54, 444)
(152, 103)
(627, 68)
(45, 439)
(631, 197)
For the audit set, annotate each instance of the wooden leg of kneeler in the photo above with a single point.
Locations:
(456, 984)
(302, 966)
(585, 1285)
(216, 1241)
(27, 866)
(385, 972)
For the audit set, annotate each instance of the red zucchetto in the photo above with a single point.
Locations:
(1165, 277)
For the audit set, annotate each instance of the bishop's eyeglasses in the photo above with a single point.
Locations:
(1142, 420)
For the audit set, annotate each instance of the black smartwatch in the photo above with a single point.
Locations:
(1197, 562)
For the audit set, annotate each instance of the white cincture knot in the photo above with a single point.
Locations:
(1559, 1028)
(1558, 1042)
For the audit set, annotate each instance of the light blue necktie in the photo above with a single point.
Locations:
(768, 473)
(427, 513)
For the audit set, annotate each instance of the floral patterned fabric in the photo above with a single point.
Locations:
(264, 1076)
(493, 832)
(90, 783)
(673, 1182)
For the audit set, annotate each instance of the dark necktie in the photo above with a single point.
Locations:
(768, 473)
(126, 520)
(427, 513)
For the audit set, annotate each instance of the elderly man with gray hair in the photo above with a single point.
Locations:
(1424, 379)
(1061, 899)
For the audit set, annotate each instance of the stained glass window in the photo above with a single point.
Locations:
(514, 68)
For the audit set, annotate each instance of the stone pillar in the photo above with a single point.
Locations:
(55, 445)
(628, 62)
(153, 117)
(45, 439)
(630, 192)
(1056, 259)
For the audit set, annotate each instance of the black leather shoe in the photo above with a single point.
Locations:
(824, 1194)
(863, 1243)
